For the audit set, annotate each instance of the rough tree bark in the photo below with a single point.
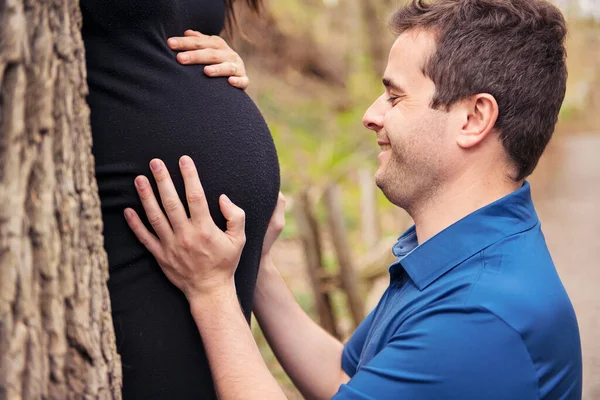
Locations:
(56, 332)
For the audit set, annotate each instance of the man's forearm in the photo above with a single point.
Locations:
(309, 355)
(238, 369)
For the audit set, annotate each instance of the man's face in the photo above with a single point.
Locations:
(416, 141)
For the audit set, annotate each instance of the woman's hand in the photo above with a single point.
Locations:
(197, 257)
(276, 225)
(212, 51)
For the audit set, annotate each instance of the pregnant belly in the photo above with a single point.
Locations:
(217, 125)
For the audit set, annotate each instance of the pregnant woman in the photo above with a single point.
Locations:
(146, 104)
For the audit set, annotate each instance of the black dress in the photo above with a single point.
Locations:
(144, 104)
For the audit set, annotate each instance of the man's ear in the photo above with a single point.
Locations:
(481, 115)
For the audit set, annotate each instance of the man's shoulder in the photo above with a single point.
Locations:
(520, 286)
(518, 281)
(519, 268)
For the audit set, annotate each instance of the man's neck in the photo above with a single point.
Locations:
(456, 200)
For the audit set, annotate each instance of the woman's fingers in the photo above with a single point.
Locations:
(194, 192)
(207, 57)
(212, 51)
(196, 41)
(241, 82)
(150, 241)
(155, 215)
(228, 68)
(168, 195)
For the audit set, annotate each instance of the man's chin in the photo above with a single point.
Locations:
(379, 180)
(389, 188)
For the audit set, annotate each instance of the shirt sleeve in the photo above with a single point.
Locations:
(354, 346)
(447, 354)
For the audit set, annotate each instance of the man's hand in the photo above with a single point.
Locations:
(212, 51)
(200, 259)
(197, 257)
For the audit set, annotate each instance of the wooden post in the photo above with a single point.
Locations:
(368, 205)
(348, 276)
(311, 240)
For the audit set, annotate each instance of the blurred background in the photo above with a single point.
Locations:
(315, 66)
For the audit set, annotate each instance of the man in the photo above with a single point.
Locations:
(475, 308)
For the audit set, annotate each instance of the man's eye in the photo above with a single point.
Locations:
(393, 99)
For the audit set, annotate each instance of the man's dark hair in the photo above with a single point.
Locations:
(511, 49)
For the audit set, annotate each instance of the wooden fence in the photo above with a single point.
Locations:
(354, 273)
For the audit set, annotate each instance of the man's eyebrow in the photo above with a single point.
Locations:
(388, 83)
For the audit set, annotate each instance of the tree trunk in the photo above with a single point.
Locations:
(56, 332)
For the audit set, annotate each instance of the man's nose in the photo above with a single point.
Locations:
(373, 118)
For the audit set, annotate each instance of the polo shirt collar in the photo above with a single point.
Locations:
(424, 264)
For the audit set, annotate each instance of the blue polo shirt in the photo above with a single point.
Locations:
(476, 312)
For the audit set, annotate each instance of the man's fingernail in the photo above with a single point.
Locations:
(128, 214)
(140, 182)
(184, 57)
(210, 70)
(155, 165)
(173, 43)
(226, 199)
(185, 161)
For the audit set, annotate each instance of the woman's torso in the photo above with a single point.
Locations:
(144, 104)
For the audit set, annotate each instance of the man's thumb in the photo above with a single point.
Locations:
(235, 216)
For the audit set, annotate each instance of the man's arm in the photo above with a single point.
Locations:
(200, 259)
(238, 369)
(310, 356)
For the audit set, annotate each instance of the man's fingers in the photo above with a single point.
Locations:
(196, 42)
(276, 225)
(191, 32)
(155, 215)
(150, 241)
(236, 219)
(194, 192)
(278, 217)
(239, 82)
(168, 195)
